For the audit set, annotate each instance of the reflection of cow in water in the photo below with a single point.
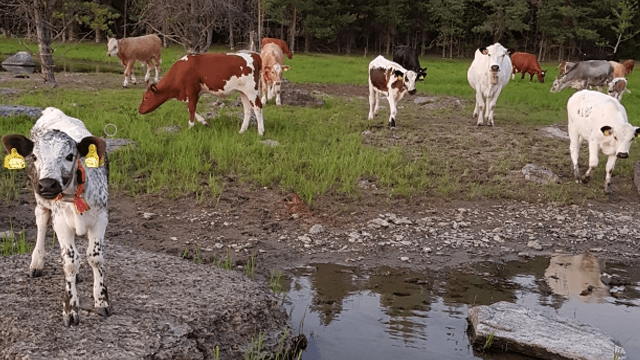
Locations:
(572, 275)
(142, 48)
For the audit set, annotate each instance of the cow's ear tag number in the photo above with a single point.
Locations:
(92, 160)
(14, 161)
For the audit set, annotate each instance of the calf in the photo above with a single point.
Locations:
(142, 48)
(602, 122)
(617, 87)
(407, 57)
(73, 195)
(391, 80)
(218, 74)
(281, 43)
(488, 75)
(272, 69)
(586, 73)
(526, 63)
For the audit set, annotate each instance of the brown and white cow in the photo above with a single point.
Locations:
(272, 69)
(281, 43)
(218, 74)
(141, 48)
(526, 63)
(393, 81)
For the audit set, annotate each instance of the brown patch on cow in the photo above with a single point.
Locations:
(258, 102)
(397, 84)
(619, 86)
(380, 77)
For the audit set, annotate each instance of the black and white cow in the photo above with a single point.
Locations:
(585, 73)
(407, 57)
(393, 81)
(73, 195)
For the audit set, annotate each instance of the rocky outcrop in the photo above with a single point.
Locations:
(164, 307)
(11, 110)
(20, 62)
(539, 335)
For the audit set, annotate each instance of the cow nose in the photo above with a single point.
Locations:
(495, 67)
(622, 155)
(411, 92)
(49, 188)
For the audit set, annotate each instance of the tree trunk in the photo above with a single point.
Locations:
(292, 30)
(125, 17)
(98, 35)
(232, 44)
(424, 42)
(259, 25)
(307, 41)
(44, 41)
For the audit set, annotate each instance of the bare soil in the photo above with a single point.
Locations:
(371, 229)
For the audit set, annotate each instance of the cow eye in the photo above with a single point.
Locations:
(69, 157)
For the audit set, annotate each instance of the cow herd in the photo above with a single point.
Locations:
(69, 167)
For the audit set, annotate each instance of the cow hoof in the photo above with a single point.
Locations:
(585, 179)
(71, 319)
(36, 273)
(104, 311)
(125, 86)
(392, 123)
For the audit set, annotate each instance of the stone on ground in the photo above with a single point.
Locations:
(164, 307)
(540, 175)
(539, 335)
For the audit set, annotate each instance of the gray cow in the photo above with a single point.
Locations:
(585, 73)
(74, 194)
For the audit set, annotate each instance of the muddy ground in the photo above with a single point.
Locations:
(369, 230)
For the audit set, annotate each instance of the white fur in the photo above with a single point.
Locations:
(394, 95)
(479, 77)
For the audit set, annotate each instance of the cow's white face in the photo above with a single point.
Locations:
(410, 78)
(498, 57)
(618, 140)
(55, 156)
(112, 47)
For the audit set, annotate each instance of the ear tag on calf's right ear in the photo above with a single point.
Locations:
(607, 132)
(92, 160)
(14, 161)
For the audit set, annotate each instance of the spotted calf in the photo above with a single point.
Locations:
(393, 81)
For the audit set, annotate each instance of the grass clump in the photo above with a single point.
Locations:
(15, 244)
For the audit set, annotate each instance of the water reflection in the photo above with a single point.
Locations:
(396, 314)
(68, 65)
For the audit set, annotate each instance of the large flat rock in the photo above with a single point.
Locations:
(164, 308)
(539, 335)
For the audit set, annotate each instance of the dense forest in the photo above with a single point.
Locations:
(552, 29)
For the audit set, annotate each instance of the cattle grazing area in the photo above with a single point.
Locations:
(436, 151)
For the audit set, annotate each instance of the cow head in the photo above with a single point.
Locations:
(152, 99)
(408, 80)
(112, 47)
(421, 73)
(541, 75)
(54, 159)
(620, 138)
(498, 59)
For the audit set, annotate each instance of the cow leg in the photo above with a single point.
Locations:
(530, 77)
(157, 66)
(246, 106)
(95, 258)
(393, 110)
(491, 106)
(148, 74)
(257, 110)
(373, 102)
(128, 72)
(593, 161)
(264, 89)
(574, 148)
(611, 163)
(192, 105)
(277, 88)
(522, 78)
(70, 266)
(37, 257)
(479, 110)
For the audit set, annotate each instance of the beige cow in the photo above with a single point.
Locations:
(142, 48)
(272, 68)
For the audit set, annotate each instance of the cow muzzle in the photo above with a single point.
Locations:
(412, 92)
(49, 188)
(622, 155)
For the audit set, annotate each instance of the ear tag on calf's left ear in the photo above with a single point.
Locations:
(14, 161)
(92, 160)
(399, 77)
(607, 132)
(421, 77)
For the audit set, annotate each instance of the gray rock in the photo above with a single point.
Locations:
(11, 110)
(377, 223)
(423, 100)
(540, 175)
(164, 307)
(539, 335)
(535, 245)
(316, 229)
(21, 58)
(555, 132)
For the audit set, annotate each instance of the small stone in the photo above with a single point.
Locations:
(377, 223)
(535, 245)
(174, 238)
(305, 239)
(316, 229)
(149, 216)
(404, 258)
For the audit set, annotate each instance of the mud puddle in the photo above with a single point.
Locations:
(66, 65)
(385, 313)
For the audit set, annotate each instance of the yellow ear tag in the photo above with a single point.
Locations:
(421, 77)
(607, 132)
(399, 77)
(286, 69)
(14, 161)
(92, 160)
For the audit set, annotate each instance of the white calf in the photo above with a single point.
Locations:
(617, 87)
(602, 122)
(73, 195)
(393, 81)
(488, 75)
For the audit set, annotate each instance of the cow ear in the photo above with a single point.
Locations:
(637, 132)
(285, 67)
(606, 130)
(483, 50)
(22, 145)
(153, 88)
(398, 74)
(101, 146)
(544, 72)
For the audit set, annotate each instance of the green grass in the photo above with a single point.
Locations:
(435, 153)
(489, 341)
(15, 244)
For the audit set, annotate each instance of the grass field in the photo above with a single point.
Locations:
(324, 148)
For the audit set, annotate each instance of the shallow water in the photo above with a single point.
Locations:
(394, 314)
(82, 66)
